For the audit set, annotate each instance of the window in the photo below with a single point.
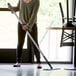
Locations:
(49, 40)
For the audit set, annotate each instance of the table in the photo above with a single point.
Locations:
(67, 28)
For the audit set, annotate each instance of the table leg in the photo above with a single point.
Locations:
(75, 51)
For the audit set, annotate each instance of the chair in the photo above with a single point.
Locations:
(67, 37)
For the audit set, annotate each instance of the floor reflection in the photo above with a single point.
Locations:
(31, 70)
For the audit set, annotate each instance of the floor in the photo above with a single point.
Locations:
(31, 70)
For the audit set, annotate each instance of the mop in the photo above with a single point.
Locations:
(31, 39)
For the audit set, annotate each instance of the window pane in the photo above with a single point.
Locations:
(8, 26)
(49, 40)
(8, 30)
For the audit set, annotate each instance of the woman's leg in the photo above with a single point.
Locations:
(34, 34)
(21, 39)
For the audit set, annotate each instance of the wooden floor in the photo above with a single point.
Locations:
(31, 70)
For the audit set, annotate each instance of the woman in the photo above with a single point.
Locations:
(28, 10)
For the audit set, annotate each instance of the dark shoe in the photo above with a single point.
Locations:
(17, 65)
(39, 67)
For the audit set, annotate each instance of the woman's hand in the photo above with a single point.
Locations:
(25, 27)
